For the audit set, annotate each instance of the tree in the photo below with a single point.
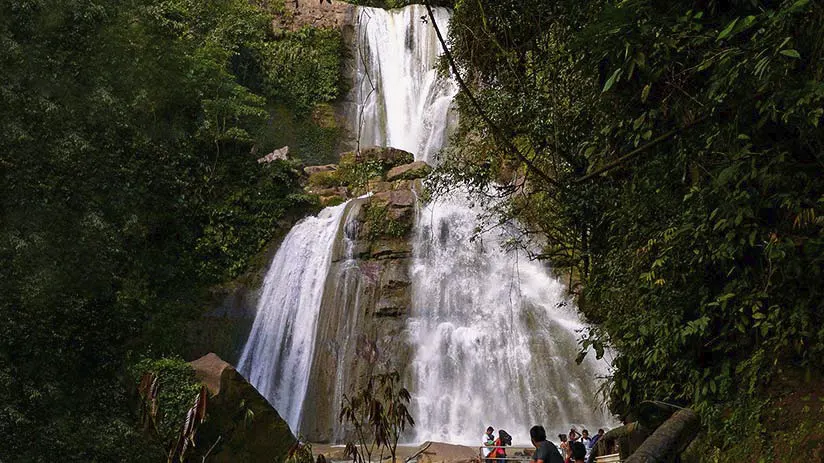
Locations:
(378, 416)
(683, 146)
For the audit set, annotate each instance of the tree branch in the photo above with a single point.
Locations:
(497, 132)
(639, 150)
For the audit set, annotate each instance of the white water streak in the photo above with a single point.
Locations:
(278, 354)
(493, 335)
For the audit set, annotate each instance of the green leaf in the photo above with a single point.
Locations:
(645, 93)
(791, 53)
(611, 80)
(798, 6)
(727, 30)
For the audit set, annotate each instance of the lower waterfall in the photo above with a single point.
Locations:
(277, 356)
(494, 336)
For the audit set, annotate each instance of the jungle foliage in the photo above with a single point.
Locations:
(129, 133)
(672, 153)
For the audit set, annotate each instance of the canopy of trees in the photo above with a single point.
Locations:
(672, 152)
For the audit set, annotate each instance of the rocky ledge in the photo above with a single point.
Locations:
(368, 289)
(374, 169)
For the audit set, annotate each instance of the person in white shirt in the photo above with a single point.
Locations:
(488, 439)
(587, 442)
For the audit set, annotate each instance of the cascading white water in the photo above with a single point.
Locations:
(401, 100)
(278, 353)
(493, 336)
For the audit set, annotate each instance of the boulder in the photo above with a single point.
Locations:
(240, 425)
(411, 171)
(379, 186)
(394, 198)
(208, 370)
(278, 154)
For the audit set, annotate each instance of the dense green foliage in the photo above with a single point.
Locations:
(302, 68)
(128, 186)
(672, 153)
(177, 390)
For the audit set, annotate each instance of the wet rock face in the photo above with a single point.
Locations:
(367, 296)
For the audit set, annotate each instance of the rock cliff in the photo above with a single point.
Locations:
(367, 295)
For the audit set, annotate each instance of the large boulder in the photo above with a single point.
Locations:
(411, 171)
(240, 424)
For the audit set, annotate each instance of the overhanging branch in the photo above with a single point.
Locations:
(496, 131)
(639, 150)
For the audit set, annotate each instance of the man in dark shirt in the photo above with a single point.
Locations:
(545, 451)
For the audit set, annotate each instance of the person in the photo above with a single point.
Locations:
(593, 443)
(574, 435)
(545, 451)
(586, 441)
(488, 439)
(499, 453)
(596, 437)
(565, 450)
(579, 451)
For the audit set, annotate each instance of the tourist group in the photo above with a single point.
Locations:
(575, 447)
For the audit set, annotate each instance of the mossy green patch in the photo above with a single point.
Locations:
(327, 179)
(380, 224)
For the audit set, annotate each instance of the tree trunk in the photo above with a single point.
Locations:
(669, 440)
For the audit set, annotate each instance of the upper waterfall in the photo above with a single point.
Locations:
(402, 101)
(492, 334)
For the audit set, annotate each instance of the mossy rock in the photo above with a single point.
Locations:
(326, 179)
(411, 171)
(387, 156)
(370, 165)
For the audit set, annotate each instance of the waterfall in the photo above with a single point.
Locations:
(278, 353)
(493, 336)
(401, 100)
